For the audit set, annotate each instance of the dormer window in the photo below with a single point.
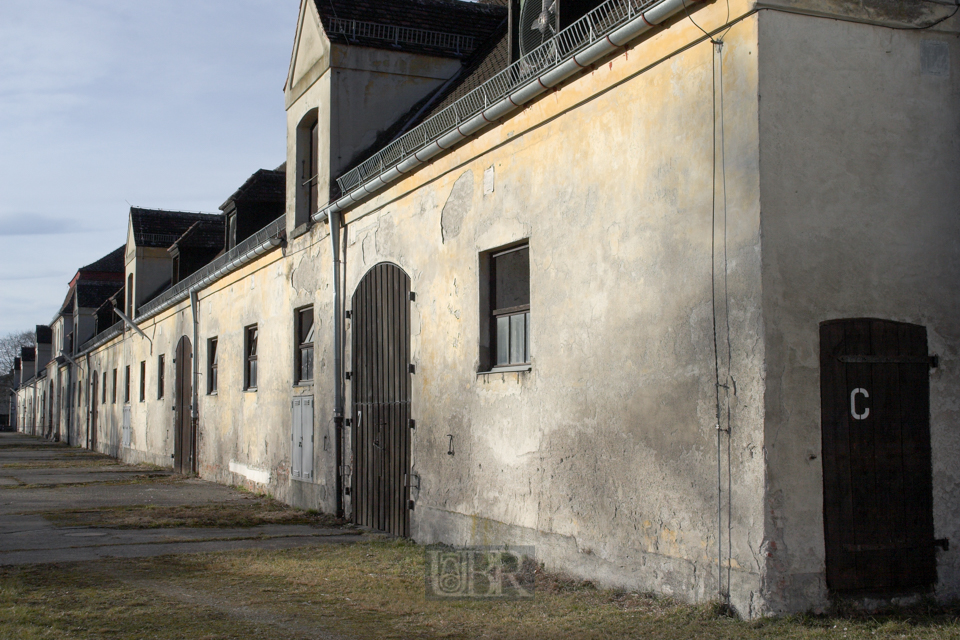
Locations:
(308, 167)
(231, 230)
(313, 168)
(130, 296)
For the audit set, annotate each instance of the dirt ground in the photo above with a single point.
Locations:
(91, 548)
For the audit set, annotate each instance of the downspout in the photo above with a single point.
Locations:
(195, 400)
(133, 325)
(70, 414)
(231, 266)
(90, 400)
(335, 221)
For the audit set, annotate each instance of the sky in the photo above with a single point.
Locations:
(105, 104)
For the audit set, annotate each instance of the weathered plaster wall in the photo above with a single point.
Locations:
(605, 454)
(316, 96)
(244, 435)
(370, 89)
(859, 162)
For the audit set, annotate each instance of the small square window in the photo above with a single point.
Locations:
(250, 358)
(212, 365)
(304, 352)
(505, 308)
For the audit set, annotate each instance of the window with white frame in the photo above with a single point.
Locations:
(304, 353)
(505, 307)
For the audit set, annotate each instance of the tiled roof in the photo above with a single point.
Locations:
(263, 186)
(475, 20)
(115, 296)
(92, 295)
(487, 62)
(157, 228)
(67, 306)
(203, 234)
(113, 262)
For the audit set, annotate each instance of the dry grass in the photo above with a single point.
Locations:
(144, 478)
(247, 513)
(68, 463)
(371, 590)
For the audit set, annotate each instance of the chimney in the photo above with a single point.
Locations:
(28, 357)
(44, 346)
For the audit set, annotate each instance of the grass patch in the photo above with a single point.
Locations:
(68, 463)
(146, 478)
(247, 513)
(373, 590)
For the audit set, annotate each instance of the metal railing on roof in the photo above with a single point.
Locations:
(589, 29)
(182, 288)
(158, 238)
(401, 35)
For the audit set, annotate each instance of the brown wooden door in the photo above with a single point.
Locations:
(94, 404)
(877, 486)
(185, 437)
(381, 400)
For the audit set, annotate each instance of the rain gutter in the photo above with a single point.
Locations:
(550, 78)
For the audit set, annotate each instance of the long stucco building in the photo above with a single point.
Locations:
(666, 289)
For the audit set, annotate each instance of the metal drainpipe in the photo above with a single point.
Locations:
(233, 265)
(195, 400)
(335, 221)
(70, 414)
(90, 401)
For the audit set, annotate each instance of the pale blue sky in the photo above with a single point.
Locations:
(169, 104)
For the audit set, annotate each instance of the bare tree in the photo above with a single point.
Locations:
(10, 348)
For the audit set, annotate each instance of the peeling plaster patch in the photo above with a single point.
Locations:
(428, 202)
(576, 206)
(386, 239)
(259, 476)
(457, 206)
(367, 249)
(303, 277)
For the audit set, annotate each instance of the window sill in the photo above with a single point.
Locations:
(211, 393)
(250, 390)
(304, 383)
(515, 368)
(303, 480)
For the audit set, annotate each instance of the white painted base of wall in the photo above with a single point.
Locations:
(260, 476)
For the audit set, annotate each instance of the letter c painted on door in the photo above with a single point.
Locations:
(853, 404)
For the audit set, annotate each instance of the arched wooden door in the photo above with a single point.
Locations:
(877, 471)
(94, 405)
(381, 400)
(185, 435)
